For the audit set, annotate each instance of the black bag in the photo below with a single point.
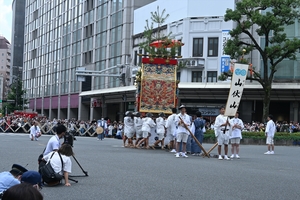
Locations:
(47, 172)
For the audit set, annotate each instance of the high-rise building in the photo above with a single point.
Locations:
(17, 39)
(61, 36)
(5, 61)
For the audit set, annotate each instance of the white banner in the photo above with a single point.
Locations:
(225, 37)
(236, 90)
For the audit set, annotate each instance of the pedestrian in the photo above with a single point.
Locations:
(35, 131)
(148, 123)
(183, 121)
(129, 129)
(101, 123)
(199, 123)
(54, 143)
(237, 126)
(12, 177)
(171, 130)
(222, 127)
(270, 132)
(138, 123)
(54, 158)
(32, 177)
(160, 130)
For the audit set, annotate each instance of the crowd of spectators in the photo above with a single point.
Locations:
(88, 128)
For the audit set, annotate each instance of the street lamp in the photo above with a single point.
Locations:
(244, 51)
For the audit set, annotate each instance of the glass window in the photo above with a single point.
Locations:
(197, 47)
(197, 76)
(213, 44)
(211, 76)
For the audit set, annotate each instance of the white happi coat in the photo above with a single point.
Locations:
(128, 125)
(160, 125)
(221, 119)
(171, 125)
(138, 123)
(186, 119)
(148, 124)
(236, 132)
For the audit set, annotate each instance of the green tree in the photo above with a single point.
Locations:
(268, 18)
(15, 94)
(152, 34)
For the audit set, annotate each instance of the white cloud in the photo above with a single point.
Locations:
(5, 18)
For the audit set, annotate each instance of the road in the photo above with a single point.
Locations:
(121, 173)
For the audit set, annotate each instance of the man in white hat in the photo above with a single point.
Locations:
(182, 121)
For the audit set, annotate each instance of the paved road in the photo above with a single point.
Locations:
(120, 173)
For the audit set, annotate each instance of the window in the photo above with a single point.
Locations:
(178, 76)
(88, 57)
(135, 58)
(35, 14)
(197, 76)
(33, 54)
(34, 34)
(213, 44)
(89, 5)
(197, 47)
(89, 30)
(211, 76)
(179, 49)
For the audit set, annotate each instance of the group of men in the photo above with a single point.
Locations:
(177, 127)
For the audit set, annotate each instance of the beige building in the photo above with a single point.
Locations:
(5, 57)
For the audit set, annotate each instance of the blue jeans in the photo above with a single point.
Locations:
(195, 146)
(189, 144)
(100, 136)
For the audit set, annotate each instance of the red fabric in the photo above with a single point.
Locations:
(159, 61)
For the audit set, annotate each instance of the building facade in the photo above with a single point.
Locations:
(61, 36)
(204, 32)
(17, 39)
(5, 63)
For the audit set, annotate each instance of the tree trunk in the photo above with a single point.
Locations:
(266, 102)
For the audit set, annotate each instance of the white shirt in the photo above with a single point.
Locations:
(221, 119)
(186, 119)
(34, 130)
(56, 162)
(270, 128)
(170, 124)
(160, 125)
(53, 144)
(128, 125)
(148, 124)
(138, 123)
(236, 132)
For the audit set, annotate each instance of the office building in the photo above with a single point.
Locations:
(17, 39)
(202, 30)
(5, 63)
(61, 36)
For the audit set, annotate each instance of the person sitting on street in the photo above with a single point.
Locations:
(35, 131)
(32, 177)
(11, 178)
(66, 152)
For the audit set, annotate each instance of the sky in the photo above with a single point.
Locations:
(6, 18)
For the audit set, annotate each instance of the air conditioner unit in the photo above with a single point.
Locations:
(193, 63)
